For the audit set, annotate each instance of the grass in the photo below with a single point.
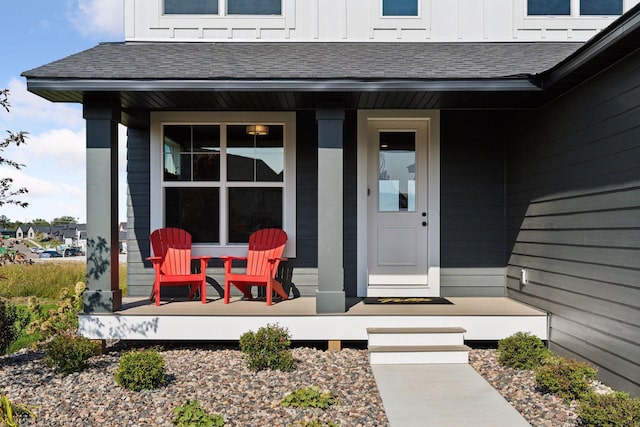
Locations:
(45, 280)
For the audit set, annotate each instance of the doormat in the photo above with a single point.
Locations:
(406, 300)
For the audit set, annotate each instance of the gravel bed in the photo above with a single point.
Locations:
(216, 376)
(519, 389)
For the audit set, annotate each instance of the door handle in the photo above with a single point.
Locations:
(424, 223)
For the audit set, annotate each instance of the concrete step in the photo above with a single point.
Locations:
(417, 354)
(418, 336)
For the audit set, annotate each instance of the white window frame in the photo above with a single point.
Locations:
(157, 185)
(574, 21)
(574, 11)
(222, 11)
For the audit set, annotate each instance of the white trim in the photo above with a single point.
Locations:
(433, 118)
(386, 279)
(288, 119)
(324, 327)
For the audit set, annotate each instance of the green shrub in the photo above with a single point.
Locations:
(12, 321)
(191, 414)
(69, 353)
(610, 410)
(61, 319)
(141, 370)
(268, 348)
(309, 397)
(11, 411)
(567, 378)
(522, 351)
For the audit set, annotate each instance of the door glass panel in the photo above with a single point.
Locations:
(396, 172)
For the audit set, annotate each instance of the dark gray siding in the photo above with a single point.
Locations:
(472, 240)
(573, 192)
(139, 278)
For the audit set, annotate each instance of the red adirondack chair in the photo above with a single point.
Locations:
(264, 256)
(172, 263)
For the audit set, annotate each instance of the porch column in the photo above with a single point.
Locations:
(330, 297)
(103, 294)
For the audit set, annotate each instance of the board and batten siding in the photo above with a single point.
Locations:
(573, 195)
(472, 203)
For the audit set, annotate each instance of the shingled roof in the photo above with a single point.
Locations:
(292, 60)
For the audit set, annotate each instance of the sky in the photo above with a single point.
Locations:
(34, 33)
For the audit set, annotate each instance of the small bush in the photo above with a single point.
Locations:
(69, 353)
(309, 397)
(61, 319)
(11, 325)
(268, 348)
(522, 351)
(567, 378)
(191, 414)
(11, 411)
(141, 370)
(610, 410)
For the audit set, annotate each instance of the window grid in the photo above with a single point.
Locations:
(574, 8)
(223, 184)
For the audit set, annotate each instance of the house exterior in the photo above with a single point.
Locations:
(411, 147)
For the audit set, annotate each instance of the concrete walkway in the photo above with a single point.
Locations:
(442, 396)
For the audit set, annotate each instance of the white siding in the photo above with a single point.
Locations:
(361, 20)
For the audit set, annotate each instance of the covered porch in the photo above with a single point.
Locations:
(483, 318)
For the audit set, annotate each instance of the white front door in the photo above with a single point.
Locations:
(398, 207)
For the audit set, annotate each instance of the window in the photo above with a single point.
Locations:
(548, 7)
(196, 7)
(253, 7)
(399, 7)
(601, 7)
(570, 7)
(223, 181)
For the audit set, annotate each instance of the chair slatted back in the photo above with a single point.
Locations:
(264, 244)
(174, 246)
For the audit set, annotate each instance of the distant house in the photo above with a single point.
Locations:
(416, 148)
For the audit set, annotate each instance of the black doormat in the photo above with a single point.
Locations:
(406, 300)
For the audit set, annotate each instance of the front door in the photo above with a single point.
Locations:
(397, 206)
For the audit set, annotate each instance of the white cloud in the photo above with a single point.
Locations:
(30, 113)
(37, 187)
(98, 17)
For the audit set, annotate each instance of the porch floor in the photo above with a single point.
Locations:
(484, 318)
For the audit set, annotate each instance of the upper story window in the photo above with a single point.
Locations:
(253, 7)
(233, 7)
(399, 7)
(574, 7)
(191, 7)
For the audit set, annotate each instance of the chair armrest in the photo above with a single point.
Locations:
(154, 259)
(232, 258)
(273, 260)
